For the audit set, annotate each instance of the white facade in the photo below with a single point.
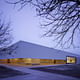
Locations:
(30, 50)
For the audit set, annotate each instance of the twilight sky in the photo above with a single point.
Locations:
(25, 25)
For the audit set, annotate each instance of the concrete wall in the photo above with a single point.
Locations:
(77, 60)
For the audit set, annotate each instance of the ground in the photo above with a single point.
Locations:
(68, 70)
(6, 72)
(53, 72)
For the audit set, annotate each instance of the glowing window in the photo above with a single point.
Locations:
(71, 59)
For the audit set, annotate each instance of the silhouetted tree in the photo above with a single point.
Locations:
(5, 36)
(61, 17)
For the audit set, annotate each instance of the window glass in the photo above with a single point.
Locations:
(71, 60)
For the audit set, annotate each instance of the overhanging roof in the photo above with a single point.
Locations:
(30, 50)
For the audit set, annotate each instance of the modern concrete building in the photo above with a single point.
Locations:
(33, 54)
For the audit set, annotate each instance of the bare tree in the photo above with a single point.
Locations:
(5, 36)
(61, 17)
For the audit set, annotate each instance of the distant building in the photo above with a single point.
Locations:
(33, 54)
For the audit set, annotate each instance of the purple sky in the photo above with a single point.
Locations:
(25, 25)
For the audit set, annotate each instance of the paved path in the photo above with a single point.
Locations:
(72, 70)
(37, 75)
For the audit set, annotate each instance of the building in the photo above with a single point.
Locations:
(33, 54)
